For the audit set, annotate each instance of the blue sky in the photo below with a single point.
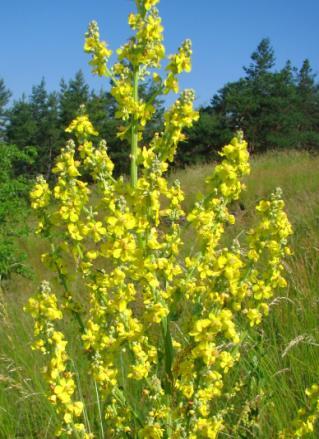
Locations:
(45, 38)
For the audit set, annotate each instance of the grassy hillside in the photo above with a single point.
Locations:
(280, 360)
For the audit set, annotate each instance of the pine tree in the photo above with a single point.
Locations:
(48, 135)
(275, 109)
(22, 127)
(5, 95)
(308, 104)
(34, 122)
(202, 139)
(73, 94)
(263, 60)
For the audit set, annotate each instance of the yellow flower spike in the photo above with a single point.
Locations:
(40, 194)
(155, 308)
(44, 308)
(181, 62)
(98, 49)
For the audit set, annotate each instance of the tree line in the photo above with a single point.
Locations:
(276, 109)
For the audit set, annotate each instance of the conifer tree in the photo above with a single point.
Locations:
(22, 127)
(5, 95)
(275, 109)
(73, 94)
(263, 60)
(308, 103)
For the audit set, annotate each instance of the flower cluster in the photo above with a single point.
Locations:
(161, 323)
(45, 311)
(145, 47)
(98, 49)
(82, 127)
(304, 424)
(179, 63)
(267, 245)
(40, 194)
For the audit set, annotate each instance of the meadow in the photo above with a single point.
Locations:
(280, 357)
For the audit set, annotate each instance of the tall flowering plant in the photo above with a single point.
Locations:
(161, 319)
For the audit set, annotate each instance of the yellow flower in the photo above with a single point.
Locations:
(148, 4)
(98, 49)
(76, 408)
(152, 432)
(82, 127)
(64, 390)
(75, 232)
(40, 194)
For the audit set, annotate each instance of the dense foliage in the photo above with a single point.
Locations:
(13, 208)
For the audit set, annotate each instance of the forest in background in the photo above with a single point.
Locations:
(276, 109)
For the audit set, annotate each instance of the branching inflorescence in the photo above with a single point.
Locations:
(161, 321)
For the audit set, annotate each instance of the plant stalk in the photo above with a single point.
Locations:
(134, 134)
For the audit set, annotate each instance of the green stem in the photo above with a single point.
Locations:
(75, 313)
(168, 355)
(99, 409)
(68, 295)
(134, 135)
